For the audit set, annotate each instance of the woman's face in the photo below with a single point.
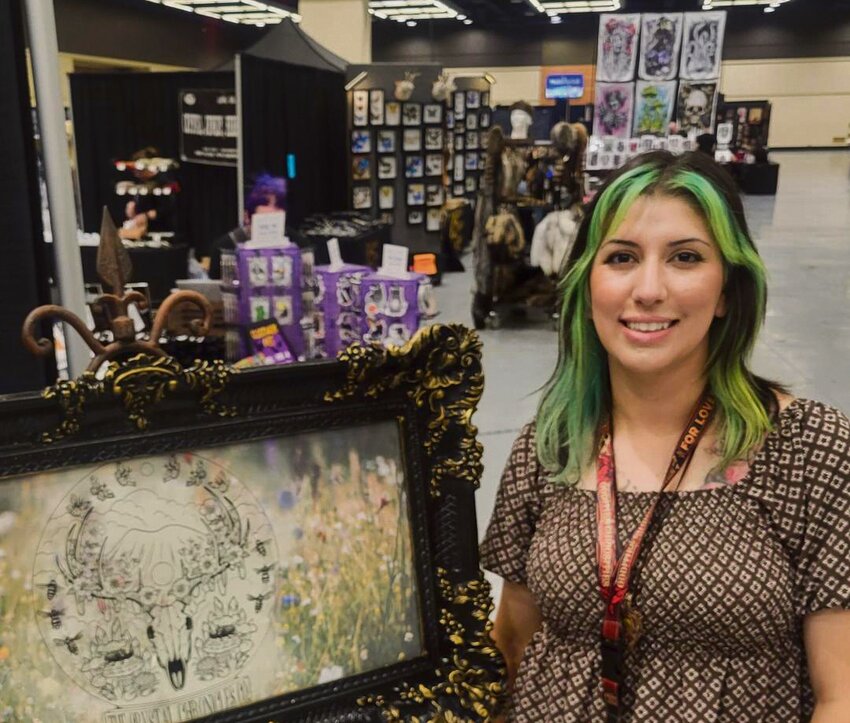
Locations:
(655, 287)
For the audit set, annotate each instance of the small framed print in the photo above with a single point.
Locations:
(472, 140)
(411, 114)
(415, 218)
(472, 122)
(482, 160)
(361, 141)
(485, 98)
(473, 99)
(460, 142)
(412, 140)
(450, 118)
(458, 172)
(433, 164)
(386, 197)
(414, 167)
(433, 113)
(434, 194)
(362, 197)
(361, 168)
(388, 218)
(392, 113)
(432, 219)
(385, 141)
(457, 189)
(416, 194)
(459, 104)
(433, 139)
(484, 119)
(471, 162)
(376, 107)
(471, 184)
(387, 168)
(360, 107)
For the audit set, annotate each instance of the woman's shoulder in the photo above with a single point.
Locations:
(819, 432)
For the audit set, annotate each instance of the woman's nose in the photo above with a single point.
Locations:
(650, 287)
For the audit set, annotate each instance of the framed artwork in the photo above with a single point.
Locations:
(459, 105)
(434, 139)
(654, 103)
(434, 194)
(414, 167)
(471, 162)
(386, 141)
(376, 107)
(412, 139)
(360, 107)
(485, 98)
(415, 217)
(617, 47)
(411, 114)
(614, 106)
(392, 113)
(361, 197)
(416, 194)
(484, 119)
(433, 113)
(388, 218)
(471, 122)
(386, 197)
(168, 546)
(473, 99)
(432, 219)
(695, 105)
(460, 141)
(450, 118)
(482, 160)
(470, 184)
(387, 167)
(361, 168)
(361, 141)
(472, 140)
(458, 172)
(457, 190)
(702, 45)
(433, 164)
(660, 46)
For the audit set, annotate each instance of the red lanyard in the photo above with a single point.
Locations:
(622, 622)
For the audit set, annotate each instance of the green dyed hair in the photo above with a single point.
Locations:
(578, 394)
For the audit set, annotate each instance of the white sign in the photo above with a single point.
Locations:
(267, 229)
(394, 261)
(334, 253)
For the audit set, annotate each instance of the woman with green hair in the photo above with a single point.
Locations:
(712, 584)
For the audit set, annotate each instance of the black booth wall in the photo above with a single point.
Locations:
(116, 114)
(23, 252)
(295, 109)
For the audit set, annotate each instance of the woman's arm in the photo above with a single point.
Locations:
(517, 619)
(827, 638)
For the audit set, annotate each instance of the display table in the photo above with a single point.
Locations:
(361, 239)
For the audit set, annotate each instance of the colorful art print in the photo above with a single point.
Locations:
(386, 197)
(471, 122)
(387, 167)
(412, 139)
(361, 197)
(360, 107)
(634, 146)
(702, 45)
(361, 141)
(433, 139)
(376, 107)
(617, 47)
(459, 105)
(614, 105)
(416, 194)
(471, 184)
(411, 114)
(654, 104)
(414, 167)
(660, 46)
(432, 219)
(472, 140)
(473, 99)
(415, 218)
(695, 106)
(457, 190)
(434, 194)
(433, 113)
(361, 168)
(460, 141)
(162, 570)
(484, 119)
(392, 113)
(433, 164)
(386, 141)
(471, 162)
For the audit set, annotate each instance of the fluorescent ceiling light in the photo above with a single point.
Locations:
(711, 4)
(408, 10)
(246, 12)
(553, 8)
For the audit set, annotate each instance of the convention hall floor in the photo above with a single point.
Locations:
(803, 234)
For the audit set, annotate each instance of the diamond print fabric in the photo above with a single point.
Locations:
(722, 584)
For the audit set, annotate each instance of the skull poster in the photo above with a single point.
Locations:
(702, 45)
(695, 106)
(616, 54)
(661, 41)
(654, 103)
(613, 109)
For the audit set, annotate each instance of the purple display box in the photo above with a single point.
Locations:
(393, 307)
(337, 319)
(270, 288)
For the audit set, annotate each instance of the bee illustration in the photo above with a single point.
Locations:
(50, 588)
(172, 469)
(100, 490)
(258, 600)
(264, 572)
(260, 547)
(69, 643)
(124, 475)
(55, 617)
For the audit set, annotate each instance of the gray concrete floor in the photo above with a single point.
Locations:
(803, 233)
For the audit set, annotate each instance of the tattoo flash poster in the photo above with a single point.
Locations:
(695, 108)
(617, 49)
(614, 107)
(661, 41)
(702, 45)
(654, 102)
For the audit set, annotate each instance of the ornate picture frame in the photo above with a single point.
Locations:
(87, 447)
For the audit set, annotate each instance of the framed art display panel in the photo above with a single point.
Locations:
(617, 47)
(702, 45)
(660, 46)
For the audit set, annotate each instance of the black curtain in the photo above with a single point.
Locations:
(24, 278)
(294, 109)
(116, 114)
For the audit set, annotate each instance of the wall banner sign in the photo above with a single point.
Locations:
(209, 126)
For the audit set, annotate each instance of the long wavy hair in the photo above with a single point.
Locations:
(578, 394)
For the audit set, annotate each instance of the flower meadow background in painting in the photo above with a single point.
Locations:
(167, 588)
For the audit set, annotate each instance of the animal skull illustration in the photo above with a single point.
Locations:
(404, 88)
(695, 107)
(443, 87)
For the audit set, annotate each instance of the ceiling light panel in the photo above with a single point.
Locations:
(246, 12)
(404, 10)
(711, 4)
(557, 7)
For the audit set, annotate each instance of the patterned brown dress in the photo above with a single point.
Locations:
(723, 582)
